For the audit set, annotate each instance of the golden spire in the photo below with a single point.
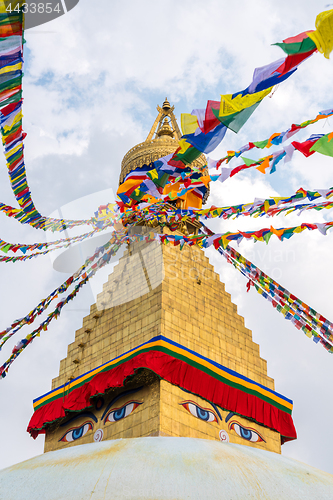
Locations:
(165, 129)
(166, 105)
(161, 141)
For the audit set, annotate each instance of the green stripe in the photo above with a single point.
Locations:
(297, 48)
(226, 381)
(190, 155)
(13, 129)
(182, 358)
(8, 85)
(14, 98)
(15, 157)
(235, 121)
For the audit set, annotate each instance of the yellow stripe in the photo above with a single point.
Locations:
(178, 350)
(184, 145)
(228, 376)
(230, 105)
(8, 69)
(14, 150)
(17, 118)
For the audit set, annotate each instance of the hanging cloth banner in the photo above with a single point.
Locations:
(179, 366)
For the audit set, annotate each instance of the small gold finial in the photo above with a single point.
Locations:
(165, 129)
(166, 104)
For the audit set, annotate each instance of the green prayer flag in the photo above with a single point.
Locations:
(261, 144)
(267, 237)
(248, 161)
(189, 156)
(323, 146)
(297, 48)
(235, 121)
(6, 248)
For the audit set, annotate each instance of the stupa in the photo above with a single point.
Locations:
(163, 393)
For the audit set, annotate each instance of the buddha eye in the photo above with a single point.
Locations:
(122, 412)
(199, 412)
(246, 432)
(76, 432)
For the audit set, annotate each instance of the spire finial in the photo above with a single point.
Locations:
(166, 104)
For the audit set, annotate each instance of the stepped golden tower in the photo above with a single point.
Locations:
(163, 385)
(153, 291)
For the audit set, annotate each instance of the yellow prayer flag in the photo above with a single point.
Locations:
(298, 229)
(184, 145)
(14, 150)
(16, 119)
(189, 123)
(153, 173)
(7, 69)
(229, 105)
(323, 35)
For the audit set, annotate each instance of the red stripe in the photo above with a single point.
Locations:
(293, 60)
(176, 372)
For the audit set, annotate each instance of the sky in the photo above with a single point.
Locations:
(93, 78)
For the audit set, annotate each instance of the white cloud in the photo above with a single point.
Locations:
(91, 88)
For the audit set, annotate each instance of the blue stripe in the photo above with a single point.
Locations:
(160, 337)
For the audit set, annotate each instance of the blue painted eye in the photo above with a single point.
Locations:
(119, 414)
(246, 432)
(122, 412)
(76, 432)
(203, 414)
(199, 412)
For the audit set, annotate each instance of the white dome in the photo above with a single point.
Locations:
(163, 468)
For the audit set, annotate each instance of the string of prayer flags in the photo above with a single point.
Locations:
(204, 129)
(315, 143)
(45, 223)
(6, 334)
(274, 140)
(264, 235)
(303, 317)
(166, 214)
(22, 344)
(106, 216)
(11, 62)
(10, 247)
(11, 116)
